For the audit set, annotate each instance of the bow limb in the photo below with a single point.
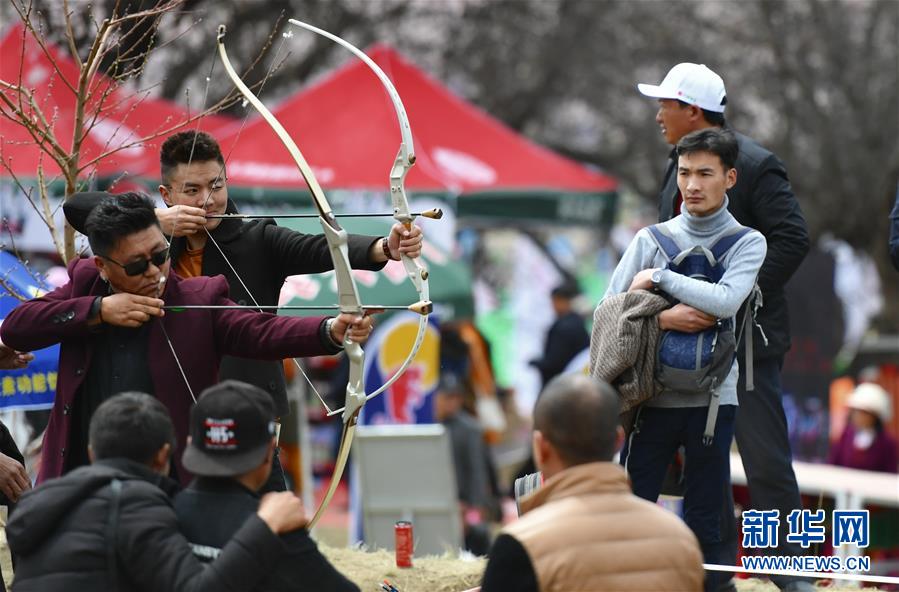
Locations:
(403, 162)
(348, 294)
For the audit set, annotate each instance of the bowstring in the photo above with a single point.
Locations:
(177, 214)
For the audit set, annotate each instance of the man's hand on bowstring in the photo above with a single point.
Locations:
(129, 310)
(181, 220)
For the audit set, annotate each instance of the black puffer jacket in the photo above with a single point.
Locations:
(59, 536)
(764, 200)
(264, 255)
(210, 510)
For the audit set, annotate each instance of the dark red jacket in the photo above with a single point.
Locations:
(199, 337)
(881, 456)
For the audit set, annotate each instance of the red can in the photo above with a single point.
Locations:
(403, 531)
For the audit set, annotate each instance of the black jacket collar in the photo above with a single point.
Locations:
(141, 471)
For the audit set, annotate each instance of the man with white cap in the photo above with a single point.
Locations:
(693, 97)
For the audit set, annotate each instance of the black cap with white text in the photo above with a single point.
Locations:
(231, 428)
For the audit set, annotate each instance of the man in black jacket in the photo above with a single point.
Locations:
(693, 97)
(110, 526)
(567, 336)
(231, 445)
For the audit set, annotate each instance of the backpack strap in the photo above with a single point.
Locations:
(666, 244)
(112, 528)
(719, 249)
(711, 417)
(724, 243)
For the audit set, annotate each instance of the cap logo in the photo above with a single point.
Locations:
(689, 98)
(220, 434)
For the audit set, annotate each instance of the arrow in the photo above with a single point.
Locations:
(422, 308)
(434, 214)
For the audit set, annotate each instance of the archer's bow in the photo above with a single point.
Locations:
(403, 162)
(348, 295)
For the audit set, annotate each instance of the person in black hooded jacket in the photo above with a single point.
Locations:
(232, 440)
(110, 526)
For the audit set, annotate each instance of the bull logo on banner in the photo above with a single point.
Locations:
(409, 399)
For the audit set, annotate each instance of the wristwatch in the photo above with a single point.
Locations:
(329, 324)
(656, 278)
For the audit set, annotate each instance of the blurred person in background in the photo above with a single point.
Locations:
(567, 336)
(475, 474)
(865, 444)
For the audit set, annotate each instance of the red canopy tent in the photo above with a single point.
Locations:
(126, 118)
(346, 127)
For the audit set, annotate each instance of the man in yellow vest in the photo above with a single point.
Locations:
(583, 529)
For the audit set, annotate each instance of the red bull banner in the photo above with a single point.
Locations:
(409, 399)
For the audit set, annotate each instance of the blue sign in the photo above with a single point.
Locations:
(850, 527)
(760, 529)
(806, 527)
(33, 387)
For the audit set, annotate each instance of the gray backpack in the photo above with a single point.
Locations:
(697, 363)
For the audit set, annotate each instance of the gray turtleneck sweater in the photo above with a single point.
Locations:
(722, 300)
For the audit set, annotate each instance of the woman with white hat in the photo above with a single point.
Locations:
(865, 444)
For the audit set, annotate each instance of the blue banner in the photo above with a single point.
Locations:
(33, 387)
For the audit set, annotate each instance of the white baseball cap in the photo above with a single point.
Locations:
(872, 398)
(694, 84)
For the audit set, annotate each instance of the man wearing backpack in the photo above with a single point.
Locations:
(677, 418)
(693, 97)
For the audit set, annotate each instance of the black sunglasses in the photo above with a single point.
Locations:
(139, 267)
